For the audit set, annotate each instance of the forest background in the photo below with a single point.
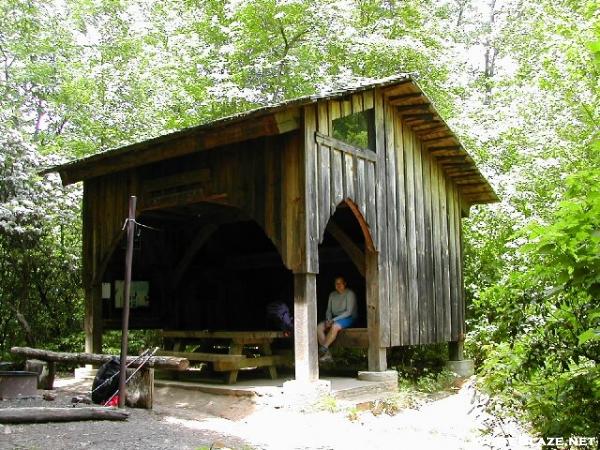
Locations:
(517, 80)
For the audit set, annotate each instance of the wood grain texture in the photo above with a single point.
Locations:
(310, 194)
(403, 309)
(428, 301)
(437, 253)
(324, 164)
(411, 236)
(420, 243)
(452, 232)
(380, 187)
(392, 225)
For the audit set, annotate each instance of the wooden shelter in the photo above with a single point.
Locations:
(368, 181)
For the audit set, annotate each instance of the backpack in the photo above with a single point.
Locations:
(279, 316)
(104, 386)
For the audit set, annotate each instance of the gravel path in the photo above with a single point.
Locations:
(193, 420)
(144, 429)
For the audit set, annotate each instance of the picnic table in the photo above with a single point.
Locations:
(175, 343)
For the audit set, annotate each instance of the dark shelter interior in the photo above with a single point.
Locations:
(209, 266)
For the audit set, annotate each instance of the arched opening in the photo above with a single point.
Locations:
(341, 252)
(347, 250)
(204, 266)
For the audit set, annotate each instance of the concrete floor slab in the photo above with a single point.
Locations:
(341, 387)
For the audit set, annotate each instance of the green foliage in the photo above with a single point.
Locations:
(327, 403)
(414, 361)
(537, 332)
(139, 340)
(40, 297)
(81, 76)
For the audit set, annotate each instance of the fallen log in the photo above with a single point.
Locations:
(157, 362)
(40, 415)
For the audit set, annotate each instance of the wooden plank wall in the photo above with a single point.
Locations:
(106, 202)
(291, 185)
(260, 177)
(413, 212)
(426, 300)
(341, 174)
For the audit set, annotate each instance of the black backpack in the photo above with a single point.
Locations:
(106, 381)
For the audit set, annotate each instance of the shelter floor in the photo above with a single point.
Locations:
(341, 387)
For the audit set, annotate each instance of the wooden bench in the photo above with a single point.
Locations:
(230, 363)
(352, 338)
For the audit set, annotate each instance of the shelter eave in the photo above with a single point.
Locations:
(420, 114)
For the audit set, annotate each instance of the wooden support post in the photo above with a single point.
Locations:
(456, 351)
(127, 289)
(93, 298)
(305, 327)
(93, 320)
(377, 359)
(265, 350)
(234, 349)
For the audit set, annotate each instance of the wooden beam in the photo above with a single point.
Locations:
(474, 188)
(305, 327)
(427, 125)
(427, 131)
(478, 179)
(201, 238)
(181, 179)
(180, 199)
(399, 99)
(179, 144)
(447, 151)
(461, 172)
(352, 250)
(352, 338)
(418, 106)
(237, 336)
(457, 159)
(418, 116)
(440, 138)
(398, 87)
(434, 149)
(363, 153)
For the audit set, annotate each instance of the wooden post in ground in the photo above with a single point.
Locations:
(377, 360)
(305, 327)
(127, 289)
(456, 350)
(93, 301)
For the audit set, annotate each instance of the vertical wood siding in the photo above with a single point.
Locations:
(425, 281)
(291, 185)
(413, 211)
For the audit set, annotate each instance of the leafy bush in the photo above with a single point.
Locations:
(414, 361)
(139, 340)
(537, 331)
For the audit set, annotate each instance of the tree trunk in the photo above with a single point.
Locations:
(159, 362)
(39, 415)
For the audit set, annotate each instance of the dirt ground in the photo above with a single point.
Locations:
(193, 420)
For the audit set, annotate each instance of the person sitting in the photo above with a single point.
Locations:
(341, 313)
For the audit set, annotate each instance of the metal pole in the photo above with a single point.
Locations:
(124, 335)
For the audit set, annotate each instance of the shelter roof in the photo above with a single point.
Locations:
(401, 90)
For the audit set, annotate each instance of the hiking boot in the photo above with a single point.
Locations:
(326, 357)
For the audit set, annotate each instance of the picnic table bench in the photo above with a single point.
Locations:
(175, 343)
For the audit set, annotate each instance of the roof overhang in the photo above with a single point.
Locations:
(401, 91)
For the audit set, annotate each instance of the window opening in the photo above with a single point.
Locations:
(357, 129)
